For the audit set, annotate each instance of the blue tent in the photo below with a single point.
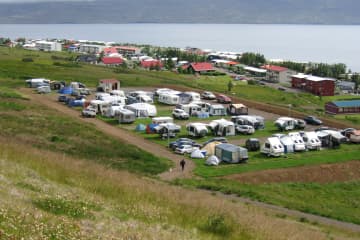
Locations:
(151, 128)
(66, 90)
(140, 128)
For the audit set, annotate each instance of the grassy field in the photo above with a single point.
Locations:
(336, 200)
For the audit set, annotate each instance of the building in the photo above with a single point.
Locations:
(112, 61)
(343, 107)
(108, 85)
(48, 46)
(316, 85)
(201, 67)
(278, 74)
(149, 63)
(346, 86)
(91, 48)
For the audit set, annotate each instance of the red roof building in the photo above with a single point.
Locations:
(110, 50)
(200, 67)
(315, 85)
(278, 74)
(112, 60)
(151, 63)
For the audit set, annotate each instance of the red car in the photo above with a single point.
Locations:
(221, 98)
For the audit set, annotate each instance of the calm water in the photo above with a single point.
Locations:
(316, 43)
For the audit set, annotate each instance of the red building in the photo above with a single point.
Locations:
(151, 63)
(313, 84)
(200, 67)
(112, 60)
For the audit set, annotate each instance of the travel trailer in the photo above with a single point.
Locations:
(197, 129)
(273, 147)
(288, 123)
(237, 109)
(194, 96)
(192, 109)
(256, 121)
(160, 120)
(126, 116)
(311, 140)
(299, 144)
(222, 127)
(217, 110)
(100, 107)
(142, 109)
(231, 153)
(170, 99)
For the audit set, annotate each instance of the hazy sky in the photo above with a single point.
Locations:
(29, 1)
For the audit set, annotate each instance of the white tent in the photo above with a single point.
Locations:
(197, 154)
(212, 160)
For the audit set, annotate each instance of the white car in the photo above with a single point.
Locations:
(180, 114)
(245, 129)
(88, 112)
(185, 149)
(208, 95)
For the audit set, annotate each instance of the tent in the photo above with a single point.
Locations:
(66, 90)
(210, 147)
(197, 154)
(140, 128)
(150, 128)
(212, 161)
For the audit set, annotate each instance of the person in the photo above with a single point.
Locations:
(182, 164)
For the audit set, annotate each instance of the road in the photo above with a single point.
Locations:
(128, 137)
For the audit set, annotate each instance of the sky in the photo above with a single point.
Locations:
(32, 1)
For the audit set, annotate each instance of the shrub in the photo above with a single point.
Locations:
(216, 224)
(27, 59)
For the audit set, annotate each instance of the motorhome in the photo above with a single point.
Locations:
(311, 140)
(288, 123)
(299, 144)
(272, 147)
(170, 99)
(257, 122)
(222, 127)
(197, 129)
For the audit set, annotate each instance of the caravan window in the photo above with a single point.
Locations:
(267, 145)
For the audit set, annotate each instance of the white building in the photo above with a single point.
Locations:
(48, 46)
(91, 48)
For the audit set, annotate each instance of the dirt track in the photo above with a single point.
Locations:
(121, 134)
(325, 173)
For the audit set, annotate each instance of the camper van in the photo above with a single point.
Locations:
(299, 144)
(222, 127)
(273, 147)
(288, 123)
(170, 99)
(160, 120)
(311, 140)
(126, 116)
(257, 122)
(197, 129)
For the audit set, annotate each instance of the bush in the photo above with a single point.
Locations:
(216, 224)
(27, 59)
(68, 65)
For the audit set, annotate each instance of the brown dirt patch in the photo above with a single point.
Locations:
(325, 173)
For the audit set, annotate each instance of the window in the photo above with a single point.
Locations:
(267, 145)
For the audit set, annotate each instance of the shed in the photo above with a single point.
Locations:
(108, 85)
(231, 153)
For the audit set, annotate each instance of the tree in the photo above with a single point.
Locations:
(169, 63)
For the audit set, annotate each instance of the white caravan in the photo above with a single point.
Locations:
(222, 127)
(273, 147)
(197, 129)
(298, 141)
(142, 109)
(170, 99)
(311, 140)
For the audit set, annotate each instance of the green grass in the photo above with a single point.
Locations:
(335, 200)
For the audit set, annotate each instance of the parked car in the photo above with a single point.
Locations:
(62, 98)
(215, 139)
(208, 95)
(88, 112)
(322, 128)
(181, 141)
(252, 144)
(185, 149)
(312, 120)
(347, 131)
(245, 129)
(221, 98)
(180, 114)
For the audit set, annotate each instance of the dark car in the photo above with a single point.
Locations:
(312, 120)
(252, 144)
(221, 98)
(62, 98)
(215, 139)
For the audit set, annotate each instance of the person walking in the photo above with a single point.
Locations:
(182, 164)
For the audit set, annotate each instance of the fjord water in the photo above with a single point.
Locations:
(316, 43)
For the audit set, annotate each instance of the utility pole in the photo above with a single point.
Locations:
(289, 109)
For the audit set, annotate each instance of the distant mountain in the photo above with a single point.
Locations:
(185, 11)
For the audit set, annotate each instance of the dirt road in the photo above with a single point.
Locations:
(121, 134)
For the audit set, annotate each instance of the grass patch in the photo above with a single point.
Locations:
(62, 206)
(6, 106)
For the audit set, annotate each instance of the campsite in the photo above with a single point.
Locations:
(107, 146)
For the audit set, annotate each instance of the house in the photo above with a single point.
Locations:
(278, 74)
(151, 63)
(108, 85)
(257, 72)
(48, 46)
(231, 153)
(91, 48)
(200, 67)
(343, 107)
(346, 86)
(313, 84)
(112, 61)
(237, 109)
(127, 50)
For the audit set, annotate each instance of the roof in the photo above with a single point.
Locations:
(350, 103)
(110, 50)
(312, 78)
(202, 66)
(274, 68)
(150, 63)
(228, 147)
(109, 81)
(112, 60)
(254, 69)
(238, 105)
